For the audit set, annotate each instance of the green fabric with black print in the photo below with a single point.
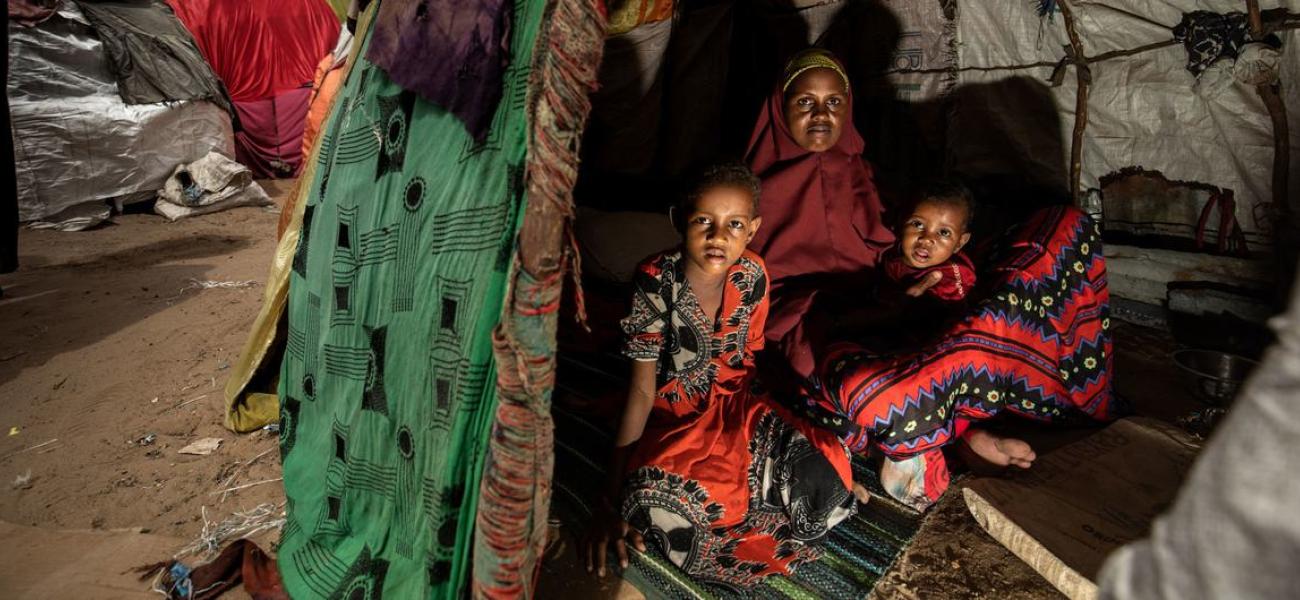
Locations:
(388, 383)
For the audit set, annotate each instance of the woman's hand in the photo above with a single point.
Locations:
(608, 527)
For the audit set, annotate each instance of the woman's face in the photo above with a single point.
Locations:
(815, 108)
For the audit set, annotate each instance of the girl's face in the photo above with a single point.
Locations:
(816, 105)
(718, 227)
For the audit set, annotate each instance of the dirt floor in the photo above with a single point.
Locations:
(113, 356)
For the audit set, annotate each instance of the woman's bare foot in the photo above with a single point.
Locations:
(862, 494)
(998, 450)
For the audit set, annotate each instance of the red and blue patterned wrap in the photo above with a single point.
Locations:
(1037, 344)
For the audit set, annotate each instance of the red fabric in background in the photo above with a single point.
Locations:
(260, 48)
(265, 52)
(270, 141)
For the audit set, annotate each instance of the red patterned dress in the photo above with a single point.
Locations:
(1036, 345)
(728, 485)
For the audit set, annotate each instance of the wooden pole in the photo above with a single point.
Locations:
(1285, 227)
(1270, 94)
(1083, 77)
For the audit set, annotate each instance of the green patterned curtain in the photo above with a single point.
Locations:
(388, 383)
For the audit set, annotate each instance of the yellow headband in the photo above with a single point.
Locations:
(812, 58)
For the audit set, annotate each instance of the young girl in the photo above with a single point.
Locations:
(729, 486)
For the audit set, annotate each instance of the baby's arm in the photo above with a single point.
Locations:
(931, 279)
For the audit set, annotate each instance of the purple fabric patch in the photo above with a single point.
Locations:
(452, 53)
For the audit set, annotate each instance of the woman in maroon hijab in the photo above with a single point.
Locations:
(823, 230)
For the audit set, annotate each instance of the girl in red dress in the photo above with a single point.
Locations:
(729, 486)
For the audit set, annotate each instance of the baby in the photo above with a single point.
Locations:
(927, 260)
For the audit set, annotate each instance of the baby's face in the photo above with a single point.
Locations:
(933, 233)
(718, 228)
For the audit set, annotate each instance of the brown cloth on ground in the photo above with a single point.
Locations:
(241, 561)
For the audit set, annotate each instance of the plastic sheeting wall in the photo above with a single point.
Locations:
(75, 141)
(1143, 109)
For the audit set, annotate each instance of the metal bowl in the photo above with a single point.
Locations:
(1215, 376)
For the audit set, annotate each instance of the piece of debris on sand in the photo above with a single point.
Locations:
(24, 481)
(202, 447)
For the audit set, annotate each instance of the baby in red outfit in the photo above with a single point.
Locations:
(930, 242)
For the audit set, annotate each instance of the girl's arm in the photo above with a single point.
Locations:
(609, 525)
(640, 399)
(643, 341)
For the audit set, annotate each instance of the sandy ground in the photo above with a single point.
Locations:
(107, 339)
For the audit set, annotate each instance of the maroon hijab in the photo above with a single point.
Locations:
(821, 213)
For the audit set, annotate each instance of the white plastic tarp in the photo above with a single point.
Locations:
(1143, 110)
(75, 141)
